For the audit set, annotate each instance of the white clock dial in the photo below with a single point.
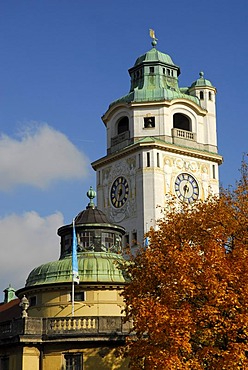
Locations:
(186, 188)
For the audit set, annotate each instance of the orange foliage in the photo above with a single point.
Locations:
(188, 293)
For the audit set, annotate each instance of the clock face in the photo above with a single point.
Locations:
(119, 192)
(186, 188)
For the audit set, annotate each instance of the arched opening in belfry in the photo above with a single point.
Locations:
(123, 125)
(182, 122)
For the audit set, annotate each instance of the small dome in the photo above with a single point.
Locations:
(200, 82)
(91, 216)
(154, 55)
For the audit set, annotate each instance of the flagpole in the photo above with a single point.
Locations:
(72, 296)
(72, 275)
(146, 239)
(74, 263)
(74, 245)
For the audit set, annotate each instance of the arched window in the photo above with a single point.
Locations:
(182, 122)
(201, 95)
(123, 125)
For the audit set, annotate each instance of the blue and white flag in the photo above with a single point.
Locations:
(75, 276)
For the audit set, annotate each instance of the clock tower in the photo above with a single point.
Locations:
(161, 141)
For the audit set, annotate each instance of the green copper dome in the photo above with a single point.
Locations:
(92, 268)
(154, 77)
(201, 82)
(154, 55)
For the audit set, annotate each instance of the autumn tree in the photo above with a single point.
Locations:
(188, 291)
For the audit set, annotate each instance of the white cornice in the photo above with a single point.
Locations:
(165, 147)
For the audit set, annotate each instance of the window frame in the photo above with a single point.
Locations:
(148, 159)
(71, 356)
(32, 301)
(149, 122)
(182, 121)
(122, 125)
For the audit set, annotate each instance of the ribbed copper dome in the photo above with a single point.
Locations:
(92, 268)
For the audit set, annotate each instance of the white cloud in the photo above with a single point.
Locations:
(40, 156)
(27, 241)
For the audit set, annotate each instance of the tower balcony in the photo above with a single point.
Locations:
(183, 134)
(183, 137)
(120, 141)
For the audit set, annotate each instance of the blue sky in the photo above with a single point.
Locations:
(62, 62)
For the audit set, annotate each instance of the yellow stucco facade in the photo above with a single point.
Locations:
(53, 357)
(97, 301)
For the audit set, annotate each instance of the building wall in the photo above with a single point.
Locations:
(102, 357)
(57, 302)
(94, 358)
(31, 358)
(150, 185)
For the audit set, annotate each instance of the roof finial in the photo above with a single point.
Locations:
(152, 35)
(91, 194)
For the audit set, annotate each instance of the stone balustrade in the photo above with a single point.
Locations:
(78, 326)
(183, 134)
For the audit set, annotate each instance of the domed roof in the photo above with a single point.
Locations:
(154, 55)
(154, 77)
(92, 268)
(200, 82)
(91, 216)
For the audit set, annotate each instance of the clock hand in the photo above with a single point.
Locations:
(186, 189)
(120, 192)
